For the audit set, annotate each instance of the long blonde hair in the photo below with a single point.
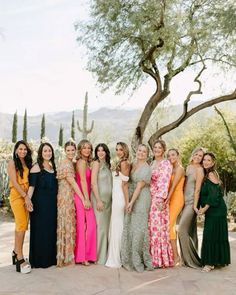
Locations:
(80, 146)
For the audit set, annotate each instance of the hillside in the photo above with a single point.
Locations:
(111, 125)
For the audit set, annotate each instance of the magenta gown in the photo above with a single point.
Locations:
(85, 242)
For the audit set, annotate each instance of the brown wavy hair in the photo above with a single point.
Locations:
(125, 157)
(81, 144)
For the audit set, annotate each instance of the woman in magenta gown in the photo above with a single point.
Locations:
(85, 243)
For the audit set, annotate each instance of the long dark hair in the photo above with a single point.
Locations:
(211, 169)
(40, 156)
(106, 150)
(28, 157)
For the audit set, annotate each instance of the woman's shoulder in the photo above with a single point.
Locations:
(35, 168)
(214, 178)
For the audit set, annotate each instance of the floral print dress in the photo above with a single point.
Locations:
(160, 247)
(65, 214)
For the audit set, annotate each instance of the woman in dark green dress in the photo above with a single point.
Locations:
(215, 244)
(43, 218)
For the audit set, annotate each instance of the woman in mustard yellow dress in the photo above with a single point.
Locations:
(175, 198)
(18, 171)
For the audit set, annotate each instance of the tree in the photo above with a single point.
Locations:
(42, 133)
(14, 128)
(231, 139)
(25, 126)
(85, 130)
(72, 132)
(60, 140)
(130, 41)
(207, 135)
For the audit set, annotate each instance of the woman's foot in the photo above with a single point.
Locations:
(23, 266)
(208, 268)
(14, 257)
(86, 263)
(177, 261)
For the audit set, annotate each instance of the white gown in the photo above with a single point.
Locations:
(117, 221)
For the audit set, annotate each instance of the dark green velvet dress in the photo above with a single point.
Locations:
(215, 244)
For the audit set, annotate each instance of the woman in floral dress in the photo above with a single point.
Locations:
(160, 247)
(65, 207)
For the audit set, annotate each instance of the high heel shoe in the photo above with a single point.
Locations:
(14, 257)
(26, 268)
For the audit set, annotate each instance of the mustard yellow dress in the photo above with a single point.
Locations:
(17, 202)
(176, 205)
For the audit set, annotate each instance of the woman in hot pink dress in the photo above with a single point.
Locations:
(160, 247)
(85, 243)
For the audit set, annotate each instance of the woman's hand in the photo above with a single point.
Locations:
(100, 206)
(28, 204)
(129, 207)
(87, 204)
(196, 209)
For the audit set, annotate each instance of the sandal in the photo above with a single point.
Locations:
(14, 257)
(86, 263)
(208, 268)
(22, 266)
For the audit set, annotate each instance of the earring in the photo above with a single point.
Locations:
(16, 155)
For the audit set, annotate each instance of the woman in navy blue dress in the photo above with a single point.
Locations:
(43, 216)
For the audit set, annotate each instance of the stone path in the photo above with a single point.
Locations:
(101, 280)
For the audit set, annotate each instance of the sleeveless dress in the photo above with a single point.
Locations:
(104, 182)
(85, 242)
(65, 214)
(135, 247)
(160, 247)
(187, 231)
(215, 243)
(43, 219)
(117, 220)
(17, 202)
(176, 205)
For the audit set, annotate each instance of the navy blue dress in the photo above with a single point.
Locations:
(43, 219)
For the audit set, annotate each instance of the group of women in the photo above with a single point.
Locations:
(86, 211)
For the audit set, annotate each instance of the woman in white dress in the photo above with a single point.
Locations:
(120, 199)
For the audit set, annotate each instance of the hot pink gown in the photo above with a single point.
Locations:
(85, 243)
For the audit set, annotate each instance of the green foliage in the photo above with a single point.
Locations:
(42, 132)
(170, 35)
(14, 128)
(213, 137)
(60, 140)
(72, 132)
(25, 131)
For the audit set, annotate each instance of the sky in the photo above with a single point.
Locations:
(43, 69)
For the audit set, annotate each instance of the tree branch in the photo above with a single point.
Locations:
(188, 114)
(233, 144)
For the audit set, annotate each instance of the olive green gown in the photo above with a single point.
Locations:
(215, 244)
(103, 218)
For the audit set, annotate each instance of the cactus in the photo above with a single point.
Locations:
(4, 188)
(85, 131)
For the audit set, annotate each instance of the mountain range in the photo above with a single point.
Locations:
(110, 125)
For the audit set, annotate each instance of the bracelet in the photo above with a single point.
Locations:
(24, 195)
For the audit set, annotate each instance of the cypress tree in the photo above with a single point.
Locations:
(25, 126)
(72, 133)
(14, 128)
(60, 140)
(42, 133)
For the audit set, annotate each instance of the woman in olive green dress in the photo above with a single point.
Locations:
(135, 249)
(101, 198)
(215, 244)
